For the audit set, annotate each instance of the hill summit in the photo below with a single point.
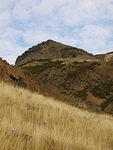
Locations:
(50, 50)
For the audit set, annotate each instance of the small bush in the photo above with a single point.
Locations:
(82, 94)
(107, 102)
(101, 89)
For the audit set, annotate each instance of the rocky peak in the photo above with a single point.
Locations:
(50, 50)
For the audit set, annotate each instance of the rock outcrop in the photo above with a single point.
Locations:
(16, 76)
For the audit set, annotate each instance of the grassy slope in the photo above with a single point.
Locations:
(33, 122)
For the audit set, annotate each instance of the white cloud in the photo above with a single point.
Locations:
(83, 23)
(9, 51)
(20, 13)
(95, 38)
(4, 19)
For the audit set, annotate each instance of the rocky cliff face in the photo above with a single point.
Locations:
(71, 74)
(16, 76)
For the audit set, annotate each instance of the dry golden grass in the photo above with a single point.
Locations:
(29, 121)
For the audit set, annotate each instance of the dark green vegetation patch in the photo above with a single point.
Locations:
(101, 88)
(44, 66)
(82, 94)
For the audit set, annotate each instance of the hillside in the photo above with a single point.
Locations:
(16, 76)
(29, 121)
(71, 75)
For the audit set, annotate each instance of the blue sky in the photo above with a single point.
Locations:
(87, 24)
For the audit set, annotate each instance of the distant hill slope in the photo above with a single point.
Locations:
(29, 121)
(71, 74)
(16, 76)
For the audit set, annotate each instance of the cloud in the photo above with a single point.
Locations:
(86, 24)
(20, 13)
(10, 50)
(95, 38)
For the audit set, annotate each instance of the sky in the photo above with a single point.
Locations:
(87, 24)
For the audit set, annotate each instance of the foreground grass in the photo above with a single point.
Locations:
(33, 122)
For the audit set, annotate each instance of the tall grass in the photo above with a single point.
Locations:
(29, 121)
